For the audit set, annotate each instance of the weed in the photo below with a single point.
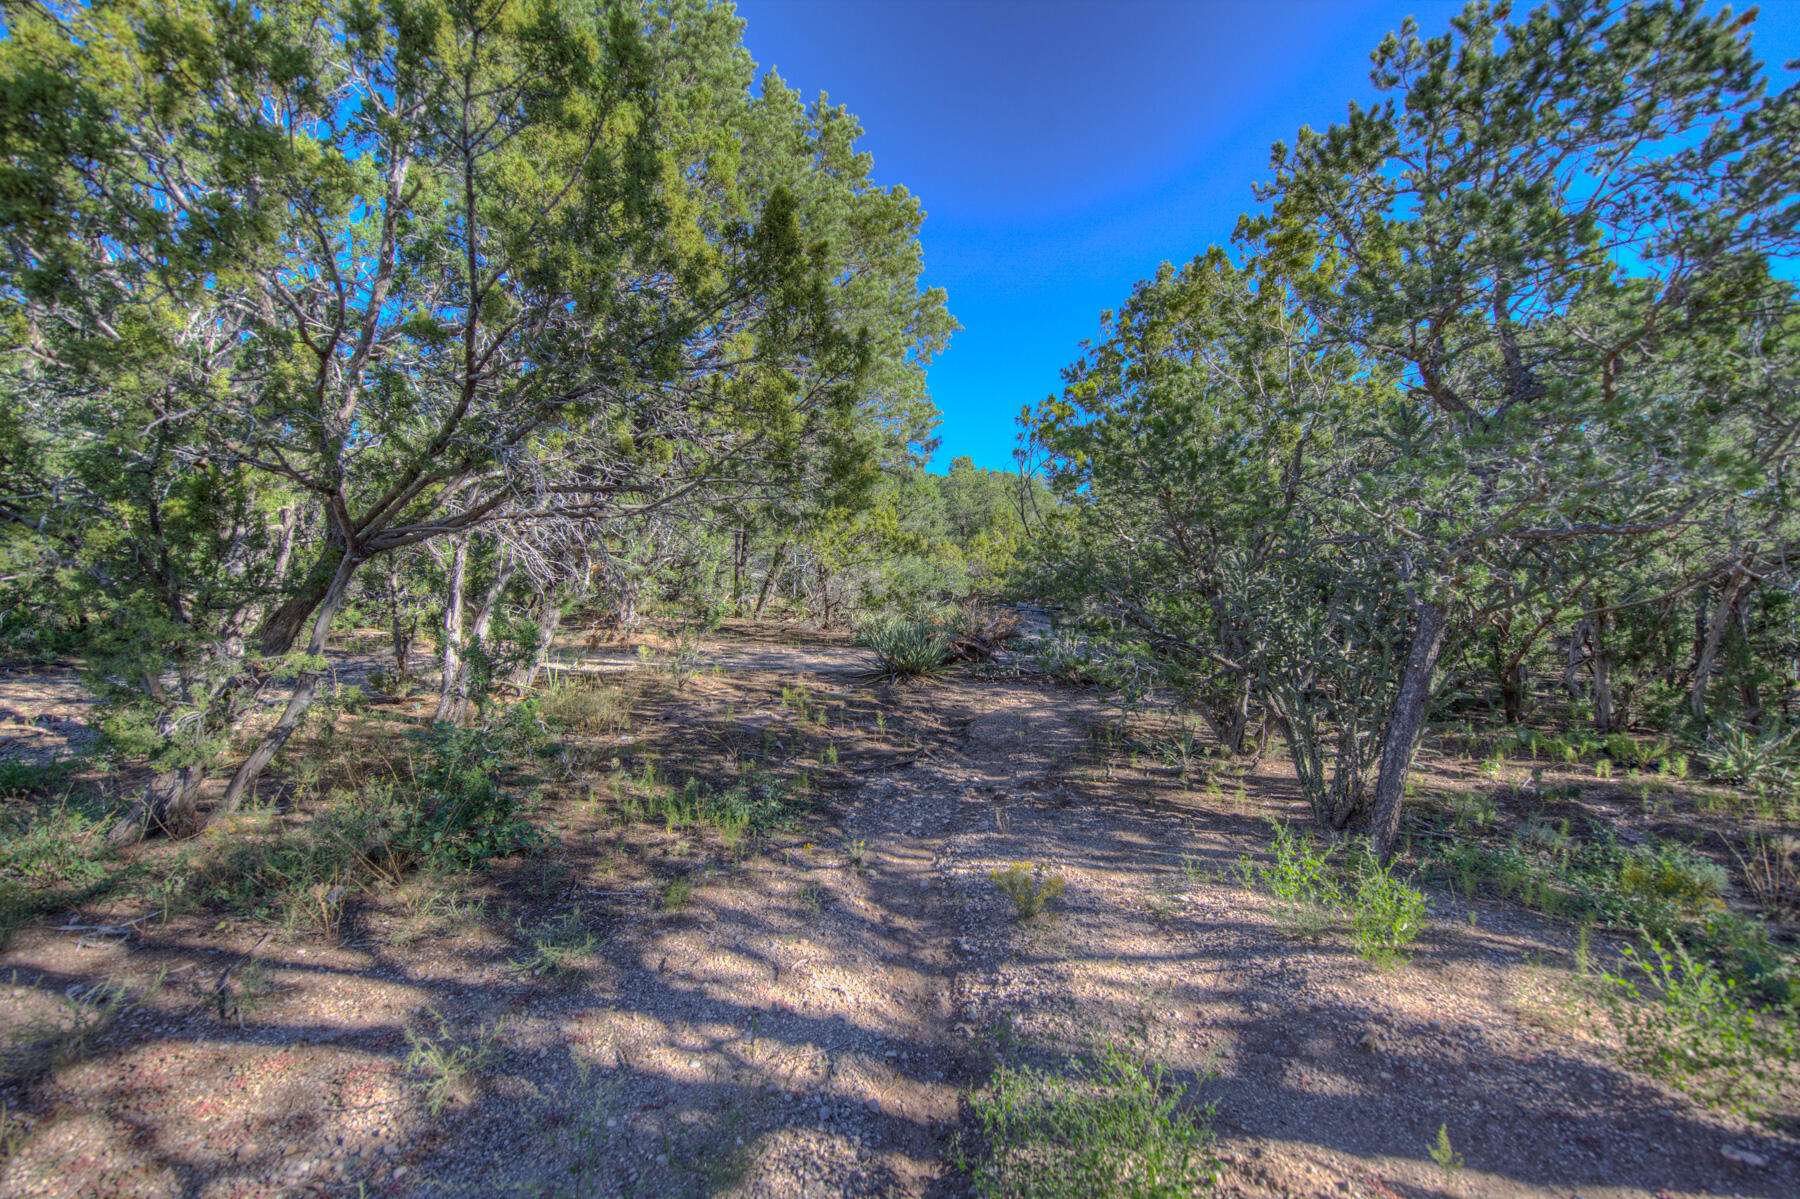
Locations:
(440, 1066)
(813, 898)
(13, 1132)
(1386, 914)
(1674, 874)
(1446, 1157)
(857, 851)
(1111, 1125)
(1685, 1023)
(555, 948)
(676, 893)
(49, 1045)
(830, 756)
(433, 909)
(1472, 810)
(586, 706)
(1770, 868)
(52, 854)
(1028, 886)
(1300, 879)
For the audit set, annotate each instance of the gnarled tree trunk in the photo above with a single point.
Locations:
(1406, 724)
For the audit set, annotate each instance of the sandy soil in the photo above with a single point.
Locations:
(805, 1026)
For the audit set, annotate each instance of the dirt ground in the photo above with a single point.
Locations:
(807, 1025)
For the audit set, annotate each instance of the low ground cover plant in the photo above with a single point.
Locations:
(1316, 889)
(1030, 887)
(1109, 1123)
(1685, 1022)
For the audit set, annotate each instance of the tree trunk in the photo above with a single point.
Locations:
(1605, 720)
(762, 596)
(1709, 648)
(453, 626)
(168, 804)
(1406, 725)
(1572, 670)
(403, 626)
(550, 614)
(288, 525)
(281, 628)
(739, 549)
(478, 633)
(306, 689)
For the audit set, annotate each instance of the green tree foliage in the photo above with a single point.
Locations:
(1509, 348)
(291, 288)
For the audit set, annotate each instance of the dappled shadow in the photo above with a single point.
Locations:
(805, 1022)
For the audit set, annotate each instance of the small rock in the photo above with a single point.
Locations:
(1743, 1157)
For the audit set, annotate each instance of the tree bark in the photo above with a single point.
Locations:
(281, 628)
(1406, 725)
(403, 626)
(168, 803)
(478, 632)
(306, 689)
(1605, 719)
(739, 549)
(1709, 648)
(453, 626)
(1572, 669)
(762, 596)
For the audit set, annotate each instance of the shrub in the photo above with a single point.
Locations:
(909, 650)
(1672, 873)
(1386, 914)
(1111, 1125)
(1301, 880)
(1741, 755)
(467, 814)
(1028, 886)
(1685, 1023)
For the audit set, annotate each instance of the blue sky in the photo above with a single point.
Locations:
(1063, 149)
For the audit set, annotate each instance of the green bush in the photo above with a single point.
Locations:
(1028, 886)
(1386, 914)
(466, 812)
(1684, 1022)
(1112, 1125)
(1671, 873)
(52, 853)
(909, 650)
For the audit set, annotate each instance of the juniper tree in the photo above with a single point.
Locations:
(384, 263)
(1559, 232)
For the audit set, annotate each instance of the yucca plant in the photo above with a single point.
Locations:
(909, 650)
